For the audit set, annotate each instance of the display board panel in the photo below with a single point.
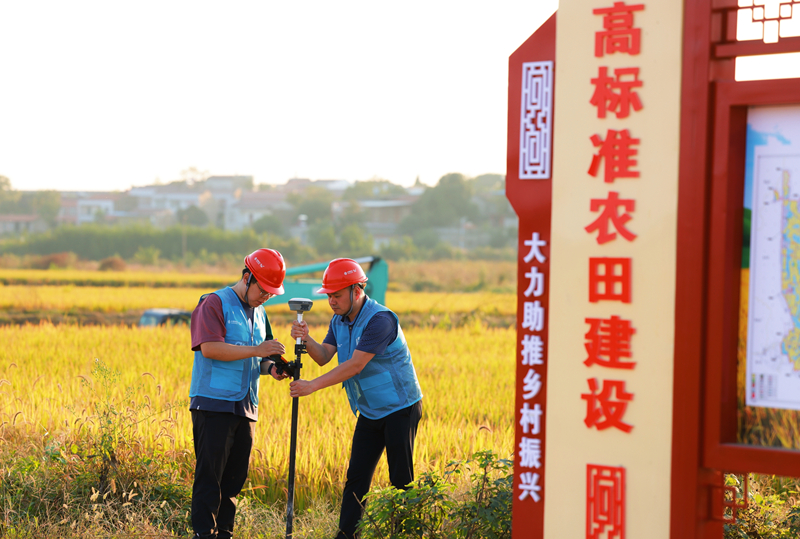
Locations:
(769, 341)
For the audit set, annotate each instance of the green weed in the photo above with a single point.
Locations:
(436, 508)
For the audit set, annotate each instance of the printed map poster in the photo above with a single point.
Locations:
(772, 203)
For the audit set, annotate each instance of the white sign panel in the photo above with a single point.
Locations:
(772, 194)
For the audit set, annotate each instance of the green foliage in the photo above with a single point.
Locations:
(45, 204)
(354, 241)
(431, 507)
(488, 182)
(746, 227)
(351, 242)
(292, 250)
(493, 253)
(353, 214)
(420, 511)
(426, 238)
(9, 198)
(115, 421)
(451, 203)
(99, 483)
(323, 238)
(373, 190)
(399, 249)
(270, 224)
(147, 255)
(314, 203)
(443, 251)
(486, 512)
(503, 238)
(192, 216)
(767, 515)
(203, 245)
(96, 242)
(443, 205)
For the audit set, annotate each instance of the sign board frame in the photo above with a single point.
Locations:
(732, 100)
(532, 202)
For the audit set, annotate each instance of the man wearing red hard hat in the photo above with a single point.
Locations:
(230, 334)
(376, 371)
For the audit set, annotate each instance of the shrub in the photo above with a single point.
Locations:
(770, 511)
(112, 263)
(271, 224)
(494, 253)
(399, 249)
(10, 261)
(147, 255)
(95, 242)
(101, 484)
(444, 251)
(55, 260)
(431, 508)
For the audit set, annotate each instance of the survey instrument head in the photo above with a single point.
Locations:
(300, 305)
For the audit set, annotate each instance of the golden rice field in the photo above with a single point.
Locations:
(112, 299)
(117, 279)
(466, 375)
(453, 275)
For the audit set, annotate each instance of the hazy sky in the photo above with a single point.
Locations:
(105, 95)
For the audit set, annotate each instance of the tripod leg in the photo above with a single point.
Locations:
(292, 454)
(299, 348)
(293, 449)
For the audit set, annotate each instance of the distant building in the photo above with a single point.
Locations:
(253, 206)
(96, 206)
(217, 204)
(230, 203)
(298, 185)
(294, 185)
(337, 187)
(20, 224)
(68, 212)
(228, 183)
(173, 197)
(81, 207)
(380, 217)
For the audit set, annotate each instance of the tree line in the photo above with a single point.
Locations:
(455, 201)
(45, 204)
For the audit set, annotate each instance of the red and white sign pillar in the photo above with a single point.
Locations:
(528, 188)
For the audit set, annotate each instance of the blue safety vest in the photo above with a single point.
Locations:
(388, 382)
(231, 380)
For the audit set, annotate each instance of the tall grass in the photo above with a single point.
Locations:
(454, 276)
(409, 276)
(48, 395)
(120, 279)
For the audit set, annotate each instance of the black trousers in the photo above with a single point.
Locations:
(396, 433)
(222, 444)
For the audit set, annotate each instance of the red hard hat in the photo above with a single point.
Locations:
(269, 269)
(341, 273)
